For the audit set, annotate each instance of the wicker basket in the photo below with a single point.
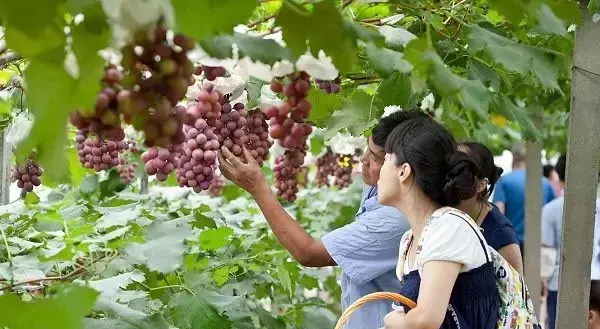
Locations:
(373, 298)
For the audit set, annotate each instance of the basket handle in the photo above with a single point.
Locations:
(372, 298)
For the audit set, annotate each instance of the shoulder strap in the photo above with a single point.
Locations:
(483, 244)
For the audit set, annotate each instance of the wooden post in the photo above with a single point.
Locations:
(533, 212)
(5, 161)
(582, 176)
(144, 184)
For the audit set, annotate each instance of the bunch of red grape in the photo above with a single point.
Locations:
(230, 127)
(157, 66)
(210, 72)
(208, 105)
(27, 175)
(286, 171)
(257, 130)
(105, 120)
(197, 163)
(288, 120)
(216, 185)
(96, 153)
(330, 87)
(343, 172)
(163, 126)
(326, 166)
(160, 161)
(127, 171)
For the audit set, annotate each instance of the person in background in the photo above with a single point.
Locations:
(552, 223)
(366, 250)
(550, 173)
(444, 262)
(509, 195)
(594, 312)
(497, 230)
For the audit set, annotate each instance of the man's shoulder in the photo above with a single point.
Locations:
(554, 207)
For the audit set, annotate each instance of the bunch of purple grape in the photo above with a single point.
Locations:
(27, 175)
(330, 86)
(210, 72)
(96, 153)
(160, 162)
(257, 130)
(286, 171)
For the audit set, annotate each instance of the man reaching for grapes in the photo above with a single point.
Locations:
(366, 249)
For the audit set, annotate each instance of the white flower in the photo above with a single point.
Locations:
(321, 68)
(572, 28)
(283, 68)
(428, 102)
(390, 109)
(596, 18)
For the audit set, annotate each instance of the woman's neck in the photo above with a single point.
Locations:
(417, 210)
(476, 209)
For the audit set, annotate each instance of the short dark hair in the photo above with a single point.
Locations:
(386, 125)
(484, 159)
(595, 295)
(445, 174)
(547, 170)
(561, 167)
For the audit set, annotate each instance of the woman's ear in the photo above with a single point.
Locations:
(482, 185)
(404, 172)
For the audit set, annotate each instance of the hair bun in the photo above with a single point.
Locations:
(460, 178)
(497, 173)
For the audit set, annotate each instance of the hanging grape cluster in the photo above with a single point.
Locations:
(164, 125)
(127, 171)
(343, 172)
(230, 127)
(160, 161)
(216, 185)
(197, 163)
(330, 87)
(257, 130)
(208, 104)
(96, 153)
(104, 120)
(286, 171)
(326, 167)
(27, 175)
(288, 119)
(210, 72)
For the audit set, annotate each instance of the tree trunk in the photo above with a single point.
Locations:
(582, 177)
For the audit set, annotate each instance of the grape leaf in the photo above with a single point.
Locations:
(164, 249)
(221, 275)
(386, 61)
(196, 311)
(284, 277)
(396, 36)
(78, 172)
(213, 239)
(503, 105)
(548, 22)
(358, 115)
(594, 6)
(38, 33)
(204, 19)
(514, 56)
(323, 105)
(5, 106)
(254, 87)
(396, 90)
(513, 10)
(64, 310)
(317, 144)
(323, 28)
(264, 50)
(154, 321)
(478, 71)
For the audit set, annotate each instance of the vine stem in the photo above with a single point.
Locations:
(50, 278)
(6, 245)
(260, 21)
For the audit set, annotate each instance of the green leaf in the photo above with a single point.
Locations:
(195, 311)
(478, 71)
(221, 275)
(513, 10)
(88, 184)
(317, 144)
(154, 321)
(548, 22)
(395, 36)
(299, 25)
(32, 198)
(203, 221)
(396, 90)
(254, 87)
(269, 321)
(78, 172)
(218, 16)
(37, 34)
(5, 106)
(213, 239)
(265, 50)
(475, 97)
(323, 105)
(358, 115)
(386, 61)
(514, 56)
(64, 310)
(503, 105)
(594, 6)
(284, 277)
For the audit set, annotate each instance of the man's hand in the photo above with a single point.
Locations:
(246, 175)
(394, 320)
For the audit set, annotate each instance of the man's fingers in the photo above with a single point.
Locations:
(230, 157)
(225, 167)
(249, 158)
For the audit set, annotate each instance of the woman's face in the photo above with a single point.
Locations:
(391, 179)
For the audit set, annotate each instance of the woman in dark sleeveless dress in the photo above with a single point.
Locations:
(444, 263)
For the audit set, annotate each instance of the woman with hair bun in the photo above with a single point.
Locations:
(444, 263)
(497, 229)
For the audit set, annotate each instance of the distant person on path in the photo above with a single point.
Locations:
(366, 249)
(510, 195)
(550, 173)
(496, 228)
(552, 224)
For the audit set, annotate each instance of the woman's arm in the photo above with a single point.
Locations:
(512, 254)
(437, 282)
